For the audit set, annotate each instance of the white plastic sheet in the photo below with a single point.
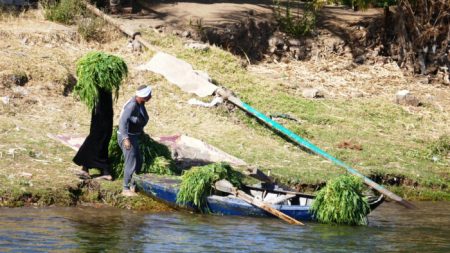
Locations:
(180, 73)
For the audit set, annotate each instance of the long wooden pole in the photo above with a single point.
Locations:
(304, 143)
(225, 186)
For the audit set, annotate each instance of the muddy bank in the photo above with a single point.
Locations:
(108, 194)
(85, 193)
(383, 179)
(399, 184)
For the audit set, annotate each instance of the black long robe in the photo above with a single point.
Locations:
(94, 151)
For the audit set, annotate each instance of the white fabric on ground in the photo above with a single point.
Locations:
(180, 73)
(215, 101)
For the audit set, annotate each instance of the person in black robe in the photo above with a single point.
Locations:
(94, 151)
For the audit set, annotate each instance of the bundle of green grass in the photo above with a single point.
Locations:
(341, 202)
(156, 158)
(97, 70)
(197, 183)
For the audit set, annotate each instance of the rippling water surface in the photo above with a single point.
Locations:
(392, 229)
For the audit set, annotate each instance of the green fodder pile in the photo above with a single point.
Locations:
(97, 70)
(341, 202)
(197, 183)
(156, 157)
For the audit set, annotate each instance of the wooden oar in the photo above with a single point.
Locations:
(225, 186)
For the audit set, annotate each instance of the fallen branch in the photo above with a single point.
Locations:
(134, 35)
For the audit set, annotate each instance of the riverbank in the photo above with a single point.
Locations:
(356, 120)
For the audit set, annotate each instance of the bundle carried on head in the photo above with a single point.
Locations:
(197, 183)
(156, 158)
(341, 202)
(97, 70)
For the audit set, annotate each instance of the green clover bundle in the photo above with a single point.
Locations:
(341, 202)
(97, 70)
(156, 157)
(197, 183)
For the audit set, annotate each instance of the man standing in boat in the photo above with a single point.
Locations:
(133, 119)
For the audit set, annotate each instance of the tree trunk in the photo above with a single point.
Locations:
(421, 36)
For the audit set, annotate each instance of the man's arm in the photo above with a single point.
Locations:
(124, 118)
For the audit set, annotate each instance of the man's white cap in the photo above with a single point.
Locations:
(145, 92)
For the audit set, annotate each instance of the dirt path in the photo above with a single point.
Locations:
(182, 15)
(335, 74)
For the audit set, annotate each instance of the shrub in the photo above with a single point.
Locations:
(90, 29)
(295, 25)
(63, 11)
(299, 25)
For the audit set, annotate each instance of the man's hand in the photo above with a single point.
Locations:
(127, 144)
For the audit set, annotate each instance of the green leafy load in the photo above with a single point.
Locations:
(156, 157)
(197, 183)
(341, 202)
(98, 70)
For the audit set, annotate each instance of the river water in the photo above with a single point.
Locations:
(392, 229)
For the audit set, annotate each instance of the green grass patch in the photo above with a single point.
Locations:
(26, 195)
(439, 149)
(421, 193)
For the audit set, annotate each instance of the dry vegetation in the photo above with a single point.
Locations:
(394, 139)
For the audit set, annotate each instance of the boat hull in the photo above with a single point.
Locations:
(233, 206)
(166, 188)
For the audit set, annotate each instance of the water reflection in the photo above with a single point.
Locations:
(69, 229)
(105, 230)
(392, 229)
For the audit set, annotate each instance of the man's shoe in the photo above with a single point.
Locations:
(128, 193)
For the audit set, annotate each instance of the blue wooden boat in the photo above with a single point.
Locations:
(296, 205)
